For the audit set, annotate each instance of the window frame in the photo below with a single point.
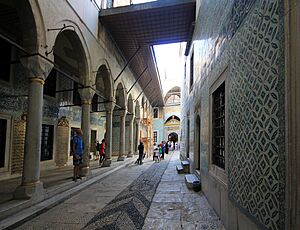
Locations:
(53, 141)
(155, 131)
(219, 173)
(157, 115)
(191, 82)
(7, 142)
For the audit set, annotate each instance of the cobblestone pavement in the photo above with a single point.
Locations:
(150, 196)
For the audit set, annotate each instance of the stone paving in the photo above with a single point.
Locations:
(150, 196)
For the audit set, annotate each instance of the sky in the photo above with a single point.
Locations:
(170, 65)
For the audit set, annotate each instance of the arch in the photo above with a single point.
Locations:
(171, 118)
(52, 39)
(104, 82)
(25, 25)
(130, 104)
(70, 55)
(173, 92)
(121, 96)
(173, 137)
(137, 109)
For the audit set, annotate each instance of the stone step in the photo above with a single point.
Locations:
(185, 163)
(180, 169)
(192, 182)
(186, 166)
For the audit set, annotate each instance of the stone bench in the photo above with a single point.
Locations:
(192, 182)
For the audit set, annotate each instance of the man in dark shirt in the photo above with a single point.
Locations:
(141, 152)
(77, 150)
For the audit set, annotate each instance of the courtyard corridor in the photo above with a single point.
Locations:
(150, 196)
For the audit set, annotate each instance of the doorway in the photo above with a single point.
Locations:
(197, 143)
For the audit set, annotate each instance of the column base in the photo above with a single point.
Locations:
(130, 155)
(85, 171)
(34, 191)
(121, 158)
(106, 163)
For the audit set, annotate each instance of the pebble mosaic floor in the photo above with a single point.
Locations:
(150, 196)
(129, 209)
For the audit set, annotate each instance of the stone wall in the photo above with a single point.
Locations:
(245, 41)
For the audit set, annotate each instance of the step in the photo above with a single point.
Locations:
(193, 182)
(179, 169)
(185, 163)
(186, 166)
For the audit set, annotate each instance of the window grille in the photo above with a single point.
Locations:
(218, 126)
(47, 142)
(3, 127)
(155, 136)
(191, 72)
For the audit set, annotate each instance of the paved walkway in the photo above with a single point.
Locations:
(150, 196)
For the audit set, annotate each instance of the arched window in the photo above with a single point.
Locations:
(155, 112)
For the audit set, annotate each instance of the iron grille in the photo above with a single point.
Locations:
(219, 127)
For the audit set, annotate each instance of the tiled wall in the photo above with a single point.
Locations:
(246, 38)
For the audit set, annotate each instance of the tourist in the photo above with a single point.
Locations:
(102, 151)
(141, 152)
(77, 151)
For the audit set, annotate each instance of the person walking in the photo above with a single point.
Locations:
(163, 146)
(77, 151)
(167, 147)
(102, 151)
(141, 152)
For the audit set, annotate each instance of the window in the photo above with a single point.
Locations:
(5, 58)
(155, 113)
(95, 103)
(3, 128)
(76, 95)
(50, 84)
(47, 142)
(155, 136)
(191, 72)
(218, 126)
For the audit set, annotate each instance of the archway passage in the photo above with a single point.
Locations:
(173, 137)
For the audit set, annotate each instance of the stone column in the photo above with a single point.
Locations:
(122, 135)
(108, 135)
(31, 187)
(137, 120)
(130, 152)
(86, 95)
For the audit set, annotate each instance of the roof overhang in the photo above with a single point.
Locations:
(145, 25)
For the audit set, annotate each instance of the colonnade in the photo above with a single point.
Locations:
(31, 186)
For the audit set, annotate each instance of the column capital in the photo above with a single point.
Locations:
(38, 67)
(86, 95)
(109, 106)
